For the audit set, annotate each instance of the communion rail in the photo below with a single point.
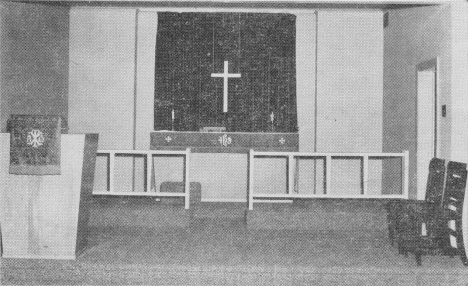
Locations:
(328, 157)
(149, 154)
(252, 195)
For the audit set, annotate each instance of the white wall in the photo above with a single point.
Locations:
(305, 79)
(413, 36)
(101, 83)
(349, 97)
(146, 47)
(147, 24)
(459, 134)
(99, 33)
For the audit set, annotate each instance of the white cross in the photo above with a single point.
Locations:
(168, 139)
(225, 75)
(281, 141)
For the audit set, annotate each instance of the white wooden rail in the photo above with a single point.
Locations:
(252, 196)
(149, 171)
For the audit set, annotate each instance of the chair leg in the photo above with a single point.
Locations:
(400, 249)
(463, 258)
(418, 258)
(390, 235)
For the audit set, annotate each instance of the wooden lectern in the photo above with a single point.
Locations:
(47, 216)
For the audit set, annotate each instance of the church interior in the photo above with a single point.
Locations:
(233, 142)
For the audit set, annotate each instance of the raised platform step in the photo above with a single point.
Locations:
(217, 224)
(219, 210)
(136, 212)
(318, 214)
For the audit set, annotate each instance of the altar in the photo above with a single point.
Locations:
(219, 160)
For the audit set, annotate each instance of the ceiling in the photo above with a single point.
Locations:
(291, 4)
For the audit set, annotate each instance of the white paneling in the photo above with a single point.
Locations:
(145, 54)
(146, 47)
(101, 83)
(305, 75)
(350, 87)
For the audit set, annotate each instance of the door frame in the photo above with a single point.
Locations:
(429, 65)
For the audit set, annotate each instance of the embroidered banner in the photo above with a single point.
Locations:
(35, 144)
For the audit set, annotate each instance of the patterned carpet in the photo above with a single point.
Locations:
(219, 247)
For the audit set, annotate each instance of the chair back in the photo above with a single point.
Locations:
(452, 205)
(435, 181)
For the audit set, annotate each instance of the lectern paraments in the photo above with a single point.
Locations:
(35, 144)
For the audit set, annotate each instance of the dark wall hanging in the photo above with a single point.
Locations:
(190, 47)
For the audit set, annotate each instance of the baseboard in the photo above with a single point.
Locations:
(244, 201)
(210, 200)
(273, 201)
(64, 257)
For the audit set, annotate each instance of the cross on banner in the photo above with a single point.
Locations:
(225, 75)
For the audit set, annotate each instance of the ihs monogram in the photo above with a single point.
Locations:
(35, 138)
(225, 140)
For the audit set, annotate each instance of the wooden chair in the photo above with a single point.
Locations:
(398, 211)
(438, 231)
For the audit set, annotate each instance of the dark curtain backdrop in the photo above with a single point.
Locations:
(260, 46)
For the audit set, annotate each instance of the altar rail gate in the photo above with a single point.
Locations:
(252, 195)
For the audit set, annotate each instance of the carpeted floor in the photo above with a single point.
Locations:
(219, 247)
